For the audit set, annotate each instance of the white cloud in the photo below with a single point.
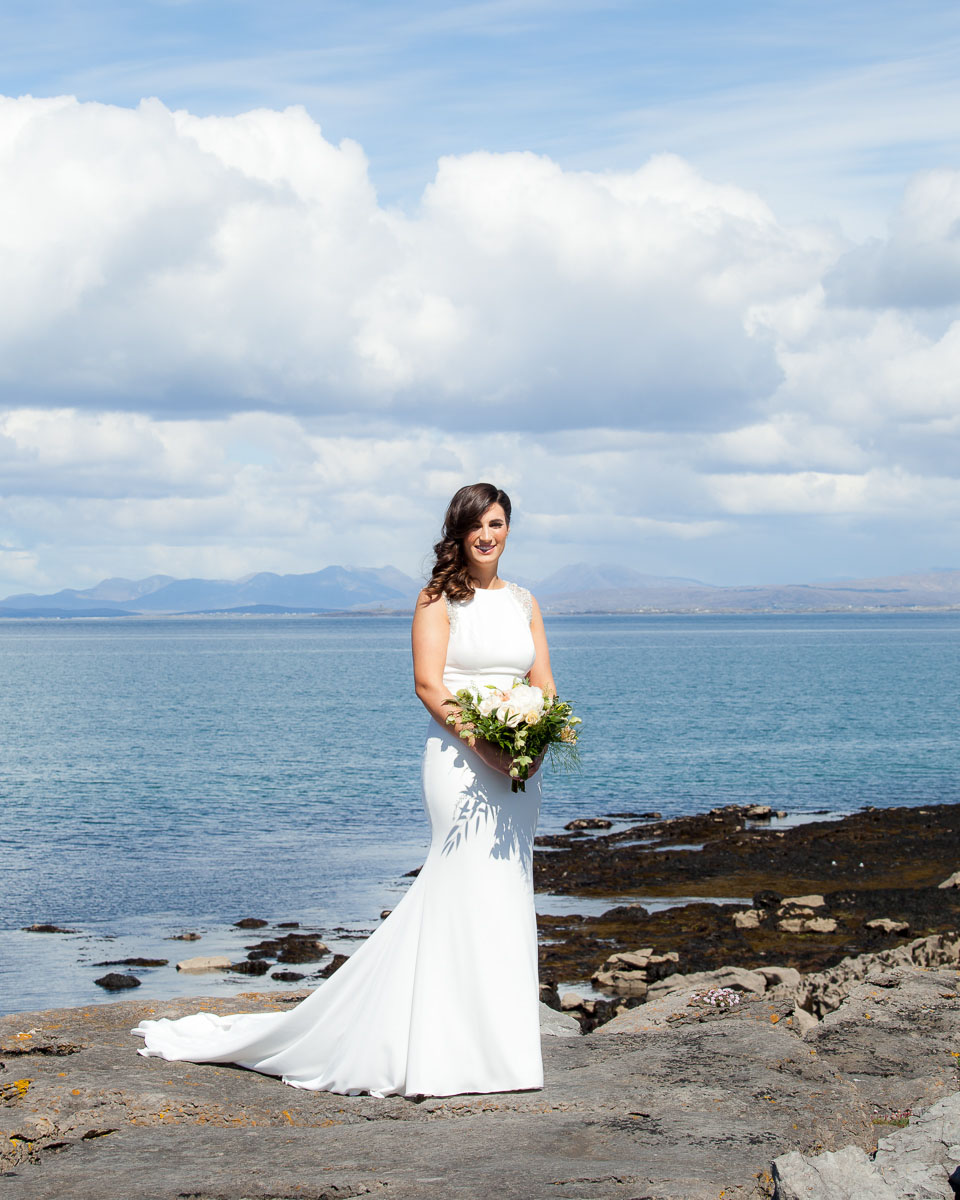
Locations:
(918, 264)
(220, 353)
(182, 265)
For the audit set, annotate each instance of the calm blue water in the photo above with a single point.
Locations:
(158, 775)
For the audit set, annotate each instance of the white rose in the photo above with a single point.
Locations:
(526, 697)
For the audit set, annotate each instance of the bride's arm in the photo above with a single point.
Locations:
(430, 635)
(541, 675)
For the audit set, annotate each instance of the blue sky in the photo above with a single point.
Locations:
(826, 108)
(684, 276)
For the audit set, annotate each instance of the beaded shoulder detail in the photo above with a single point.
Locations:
(523, 598)
(453, 608)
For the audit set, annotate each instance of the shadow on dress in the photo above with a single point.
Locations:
(512, 838)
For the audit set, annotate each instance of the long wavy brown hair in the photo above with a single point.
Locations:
(450, 575)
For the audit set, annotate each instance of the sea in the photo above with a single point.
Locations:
(163, 776)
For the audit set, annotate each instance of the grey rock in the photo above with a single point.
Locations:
(846, 1174)
(952, 881)
(695, 1105)
(915, 1163)
(558, 1024)
(726, 977)
(630, 972)
(788, 977)
(809, 924)
(204, 962)
(812, 901)
(920, 1161)
(888, 925)
(824, 991)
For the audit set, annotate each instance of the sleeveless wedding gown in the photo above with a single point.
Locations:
(442, 998)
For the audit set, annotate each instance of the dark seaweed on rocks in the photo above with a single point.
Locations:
(872, 865)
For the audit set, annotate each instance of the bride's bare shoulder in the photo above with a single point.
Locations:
(431, 607)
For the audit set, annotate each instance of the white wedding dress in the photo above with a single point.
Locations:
(442, 998)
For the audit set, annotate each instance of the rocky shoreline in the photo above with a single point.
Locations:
(784, 1027)
(801, 896)
(680, 1098)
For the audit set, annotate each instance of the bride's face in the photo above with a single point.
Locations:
(484, 543)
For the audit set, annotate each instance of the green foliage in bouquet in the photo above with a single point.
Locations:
(522, 721)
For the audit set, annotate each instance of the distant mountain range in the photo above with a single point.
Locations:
(580, 588)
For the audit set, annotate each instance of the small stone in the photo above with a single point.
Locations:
(570, 1000)
(767, 900)
(249, 923)
(301, 948)
(589, 823)
(255, 966)
(758, 812)
(386, 913)
(184, 937)
(804, 1021)
(631, 958)
(288, 925)
(288, 976)
(334, 965)
(116, 983)
(888, 925)
(807, 925)
(625, 983)
(204, 962)
(747, 920)
(46, 929)
(952, 881)
(813, 901)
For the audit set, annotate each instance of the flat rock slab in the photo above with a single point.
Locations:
(682, 1111)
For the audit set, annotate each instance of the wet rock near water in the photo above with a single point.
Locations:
(46, 929)
(134, 962)
(251, 923)
(332, 966)
(258, 966)
(203, 962)
(291, 948)
(115, 982)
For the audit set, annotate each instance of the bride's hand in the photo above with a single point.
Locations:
(493, 756)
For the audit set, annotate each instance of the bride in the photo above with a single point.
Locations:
(441, 999)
